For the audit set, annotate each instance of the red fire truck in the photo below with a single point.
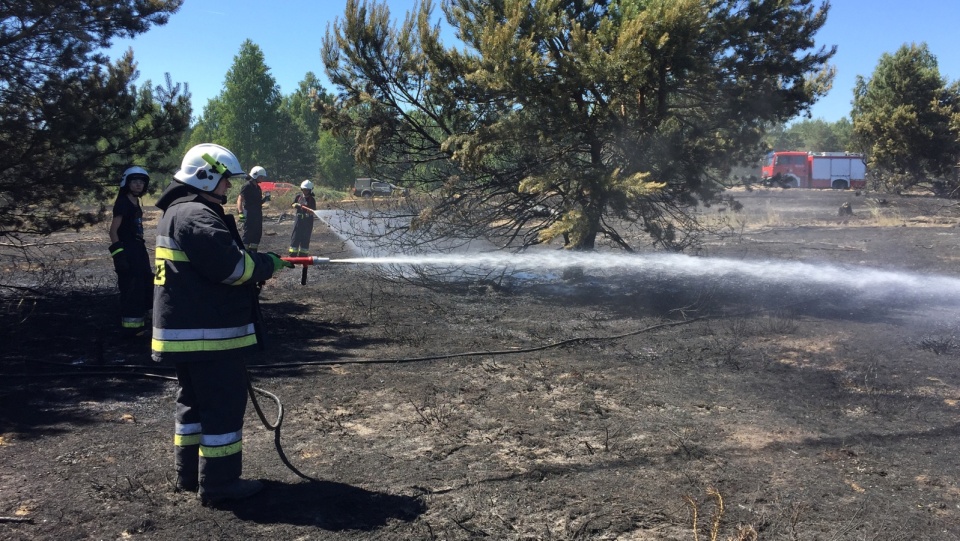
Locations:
(793, 169)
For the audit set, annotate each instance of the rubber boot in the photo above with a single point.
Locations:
(187, 462)
(187, 483)
(236, 490)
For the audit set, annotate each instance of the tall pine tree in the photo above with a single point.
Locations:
(906, 118)
(70, 120)
(618, 115)
(245, 117)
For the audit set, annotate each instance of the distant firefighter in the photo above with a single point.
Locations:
(250, 209)
(305, 203)
(130, 258)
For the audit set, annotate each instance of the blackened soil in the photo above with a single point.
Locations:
(615, 406)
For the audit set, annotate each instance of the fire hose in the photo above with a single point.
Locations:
(275, 426)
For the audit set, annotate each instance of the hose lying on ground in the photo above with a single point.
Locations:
(275, 426)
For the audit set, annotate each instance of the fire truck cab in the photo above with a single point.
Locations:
(786, 169)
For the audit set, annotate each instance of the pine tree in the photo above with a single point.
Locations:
(248, 110)
(70, 120)
(618, 115)
(907, 118)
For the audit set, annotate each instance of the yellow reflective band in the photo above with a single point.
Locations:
(222, 451)
(185, 440)
(171, 254)
(247, 270)
(186, 346)
(132, 324)
(115, 252)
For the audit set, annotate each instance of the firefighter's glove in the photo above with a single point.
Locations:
(242, 218)
(120, 261)
(279, 263)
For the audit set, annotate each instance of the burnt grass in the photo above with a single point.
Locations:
(611, 406)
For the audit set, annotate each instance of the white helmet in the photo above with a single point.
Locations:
(204, 165)
(258, 172)
(306, 185)
(135, 172)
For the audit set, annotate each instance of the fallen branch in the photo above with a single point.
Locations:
(809, 246)
(17, 519)
(44, 244)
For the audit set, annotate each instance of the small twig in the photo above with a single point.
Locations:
(423, 417)
(717, 514)
(17, 519)
(43, 244)
(680, 441)
(693, 507)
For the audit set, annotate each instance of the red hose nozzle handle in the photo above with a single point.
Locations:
(306, 260)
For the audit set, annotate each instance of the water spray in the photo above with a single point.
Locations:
(863, 280)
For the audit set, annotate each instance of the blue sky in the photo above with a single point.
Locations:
(199, 43)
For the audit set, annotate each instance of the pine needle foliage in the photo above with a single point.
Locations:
(619, 117)
(70, 120)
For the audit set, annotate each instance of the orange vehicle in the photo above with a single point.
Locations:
(796, 169)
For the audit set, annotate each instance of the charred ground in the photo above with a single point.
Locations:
(616, 406)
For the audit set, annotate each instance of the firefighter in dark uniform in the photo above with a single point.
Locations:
(204, 316)
(130, 258)
(250, 209)
(305, 203)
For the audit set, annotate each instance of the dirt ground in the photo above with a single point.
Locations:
(813, 396)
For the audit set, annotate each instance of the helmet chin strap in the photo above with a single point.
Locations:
(209, 196)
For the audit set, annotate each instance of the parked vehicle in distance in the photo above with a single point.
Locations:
(370, 187)
(277, 188)
(797, 169)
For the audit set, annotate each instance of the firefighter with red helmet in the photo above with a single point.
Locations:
(129, 253)
(204, 317)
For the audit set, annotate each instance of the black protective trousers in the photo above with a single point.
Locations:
(251, 231)
(302, 231)
(136, 289)
(211, 401)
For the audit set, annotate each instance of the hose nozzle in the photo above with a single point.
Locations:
(306, 260)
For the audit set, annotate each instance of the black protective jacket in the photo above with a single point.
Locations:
(205, 295)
